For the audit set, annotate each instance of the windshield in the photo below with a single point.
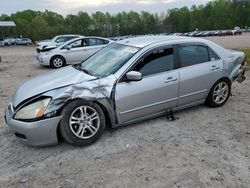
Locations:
(108, 60)
(54, 39)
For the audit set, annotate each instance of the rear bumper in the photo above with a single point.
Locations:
(37, 133)
(241, 75)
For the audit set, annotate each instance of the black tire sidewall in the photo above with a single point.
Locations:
(210, 100)
(65, 130)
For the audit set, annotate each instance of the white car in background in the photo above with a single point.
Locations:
(55, 42)
(73, 51)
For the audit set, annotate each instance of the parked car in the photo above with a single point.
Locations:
(1, 42)
(126, 82)
(23, 41)
(55, 42)
(208, 34)
(73, 51)
(217, 33)
(9, 41)
(226, 33)
(237, 32)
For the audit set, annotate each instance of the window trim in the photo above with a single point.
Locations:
(194, 44)
(175, 57)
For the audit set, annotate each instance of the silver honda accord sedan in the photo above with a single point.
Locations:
(123, 83)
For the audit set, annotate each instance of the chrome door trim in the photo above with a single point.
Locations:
(194, 93)
(147, 106)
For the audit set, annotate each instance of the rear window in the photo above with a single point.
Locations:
(93, 42)
(193, 54)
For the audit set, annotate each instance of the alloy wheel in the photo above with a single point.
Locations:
(84, 122)
(221, 92)
(58, 62)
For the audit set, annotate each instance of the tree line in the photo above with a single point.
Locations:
(217, 14)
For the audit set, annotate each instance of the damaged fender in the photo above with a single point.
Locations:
(98, 90)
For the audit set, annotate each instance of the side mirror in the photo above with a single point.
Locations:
(68, 47)
(133, 76)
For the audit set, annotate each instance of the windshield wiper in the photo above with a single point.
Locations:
(78, 67)
(86, 71)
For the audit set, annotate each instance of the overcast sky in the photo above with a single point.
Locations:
(65, 7)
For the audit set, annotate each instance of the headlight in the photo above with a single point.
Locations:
(34, 110)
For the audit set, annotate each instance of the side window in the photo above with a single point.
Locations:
(60, 39)
(212, 55)
(104, 41)
(77, 44)
(94, 42)
(156, 62)
(193, 54)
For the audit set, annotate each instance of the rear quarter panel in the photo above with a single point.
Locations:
(232, 64)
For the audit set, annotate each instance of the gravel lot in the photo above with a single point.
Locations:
(206, 147)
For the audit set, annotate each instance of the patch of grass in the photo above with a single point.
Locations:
(247, 53)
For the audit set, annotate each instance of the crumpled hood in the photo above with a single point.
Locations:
(55, 79)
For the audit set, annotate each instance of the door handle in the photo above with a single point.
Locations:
(170, 79)
(214, 67)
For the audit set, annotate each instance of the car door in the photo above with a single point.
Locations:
(74, 53)
(156, 92)
(200, 69)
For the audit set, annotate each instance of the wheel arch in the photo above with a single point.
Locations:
(222, 78)
(102, 103)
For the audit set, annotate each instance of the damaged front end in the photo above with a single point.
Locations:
(38, 131)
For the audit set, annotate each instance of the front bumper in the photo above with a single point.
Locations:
(43, 60)
(37, 133)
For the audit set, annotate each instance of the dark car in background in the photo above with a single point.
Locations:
(23, 41)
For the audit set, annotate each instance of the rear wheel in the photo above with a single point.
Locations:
(57, 62)
(82, 123)
(219, 93)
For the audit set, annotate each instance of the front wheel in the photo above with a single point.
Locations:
(82, 123)
(57, 62)
(219, 93)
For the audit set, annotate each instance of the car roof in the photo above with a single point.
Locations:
(83, 37)
(143, 41)
(68, 35)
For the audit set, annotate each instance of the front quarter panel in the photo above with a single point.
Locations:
(99, 90)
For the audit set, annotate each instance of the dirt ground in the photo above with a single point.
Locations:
(205, 147)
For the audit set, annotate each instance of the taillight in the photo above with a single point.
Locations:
(244, 63)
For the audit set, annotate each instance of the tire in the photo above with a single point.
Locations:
(219, 93)
(76, 128)
(57, 62)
